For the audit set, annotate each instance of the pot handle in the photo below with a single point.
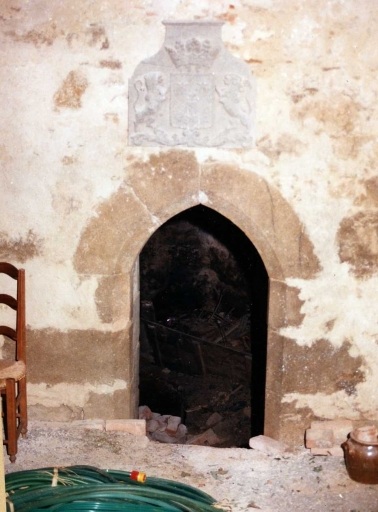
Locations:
(347, 447)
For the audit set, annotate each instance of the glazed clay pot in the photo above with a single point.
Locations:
(361, 456)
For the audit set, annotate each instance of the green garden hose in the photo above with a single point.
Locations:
(89, 489)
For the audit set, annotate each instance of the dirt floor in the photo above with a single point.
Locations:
(238, 478)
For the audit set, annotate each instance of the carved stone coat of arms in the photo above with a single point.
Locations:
(193, 92)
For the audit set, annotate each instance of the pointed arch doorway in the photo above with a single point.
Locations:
(111, 243)
(204, 302)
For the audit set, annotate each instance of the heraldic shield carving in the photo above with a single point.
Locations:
(193, 92)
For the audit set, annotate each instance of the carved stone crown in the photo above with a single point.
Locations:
(193, 53)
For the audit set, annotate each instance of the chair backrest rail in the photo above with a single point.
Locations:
(8, 300)
(8, 331)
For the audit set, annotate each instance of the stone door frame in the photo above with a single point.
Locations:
(155, 190)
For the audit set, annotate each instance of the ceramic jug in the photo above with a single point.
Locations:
(361, 455)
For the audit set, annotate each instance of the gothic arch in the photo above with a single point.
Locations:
(156, 190)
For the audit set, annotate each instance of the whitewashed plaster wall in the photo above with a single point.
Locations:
(64, 69)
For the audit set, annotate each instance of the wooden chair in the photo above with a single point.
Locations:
(13, 369)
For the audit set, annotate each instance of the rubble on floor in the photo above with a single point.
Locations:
(215, 411)
(169, 429)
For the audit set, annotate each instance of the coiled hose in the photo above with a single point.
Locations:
(89, 489)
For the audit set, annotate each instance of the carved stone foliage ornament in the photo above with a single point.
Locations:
(193, 92)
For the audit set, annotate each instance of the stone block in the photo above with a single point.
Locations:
(135, 427)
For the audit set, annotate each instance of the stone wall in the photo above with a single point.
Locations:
(78, 203)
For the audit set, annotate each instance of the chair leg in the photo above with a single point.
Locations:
(23, 413)
(11, 421)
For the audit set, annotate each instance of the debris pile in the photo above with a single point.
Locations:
(163, 427)
(169, 429)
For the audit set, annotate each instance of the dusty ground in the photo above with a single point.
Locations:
(243, 479)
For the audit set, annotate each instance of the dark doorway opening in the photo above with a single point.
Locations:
(204, 296)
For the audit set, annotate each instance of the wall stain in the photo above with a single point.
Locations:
(111, 64)
(71, 91)
(229, 16)
(90, 356)
(338, 115)
(20, 249)
(357, 238)
(350, 146)
(321, 368)
(68, 160)
(112, 116)
(286, 143)
(308, 91)
(97, 37)
(330, 324)
(44, 35)
(370, 197)
(254, 61)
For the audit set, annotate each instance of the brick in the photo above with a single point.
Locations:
(172, 425)
(267, 445)
(162, 423)
(135, 427)
(181, 431)
(319, 438)
(152, 426)
(145, 412)
(340, 427)
(213, 419)
(207, 438)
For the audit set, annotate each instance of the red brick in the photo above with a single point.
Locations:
(135, 427)
(207, 438)
(340, 427)
(267, 445)
(319, 438)
(172, 425)
(145, 412)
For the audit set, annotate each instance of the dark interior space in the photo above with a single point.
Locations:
(204, 292)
